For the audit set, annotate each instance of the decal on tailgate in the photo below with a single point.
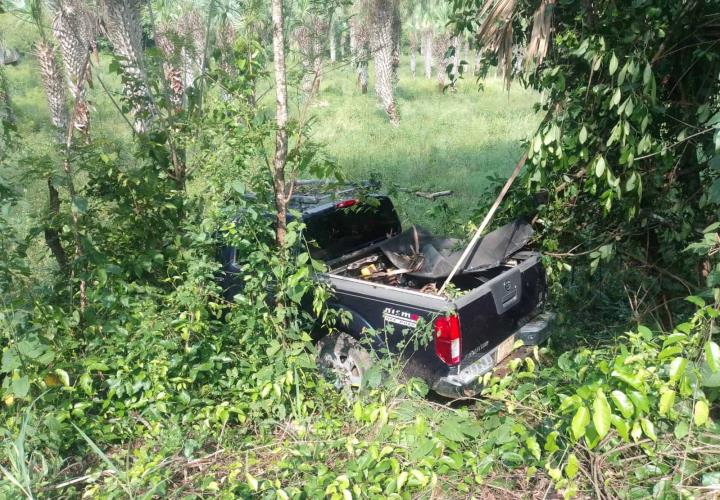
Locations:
(399, 317)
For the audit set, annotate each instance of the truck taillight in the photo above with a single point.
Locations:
(346, 203)
(447, 339)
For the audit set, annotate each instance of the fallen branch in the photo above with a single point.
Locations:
(432, 196)
(426, 194)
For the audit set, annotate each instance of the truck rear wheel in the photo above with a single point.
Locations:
(342, 360)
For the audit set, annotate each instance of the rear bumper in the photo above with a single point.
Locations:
(464, 379)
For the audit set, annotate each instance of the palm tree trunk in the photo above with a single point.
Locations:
(396, 44)
(413, 60)
(363, 76)
(359, 51)
(428, 53)
(381, 44)
(456, 56)
(333, 42)
(281, 118)
(478, 62)
(441, 45)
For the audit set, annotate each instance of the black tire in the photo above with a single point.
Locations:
(342, 360)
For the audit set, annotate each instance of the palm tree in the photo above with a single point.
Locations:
(75, 29)
(396, 43)
(441, 44)
(122, 23)
(193, 45)
(415, 37)
(310, 36)
(381, 14)
(359, 45)
(166, 39)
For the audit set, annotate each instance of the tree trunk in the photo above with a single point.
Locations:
(363, 77)
(413, 61)
(333, 42)
(440, 48)
(381, 44)
(396, 44)
(317, 59)
(281, 117)
(456, 56)
(52, 236)
(428, 44)
(359, 51)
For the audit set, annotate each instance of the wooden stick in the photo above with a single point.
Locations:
(485, 222)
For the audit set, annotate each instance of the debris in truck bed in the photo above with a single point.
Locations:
(433, 257)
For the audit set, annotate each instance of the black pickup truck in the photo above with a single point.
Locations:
(389, 280)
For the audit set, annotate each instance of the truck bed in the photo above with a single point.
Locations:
(491, 306)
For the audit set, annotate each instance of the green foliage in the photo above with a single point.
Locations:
(648, 390)
(624, 159)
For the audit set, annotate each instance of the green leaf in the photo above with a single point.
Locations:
(712, 356)
(667, 400)
(450, 430)
(681, 430)
(623, 403)
(648, 428)
(613, 64)
(64, 377)
(239, 187)
(640, 401)
(601, 414)
(632, 380)
(401, 480)
(600, 166)
(701, 412)
(621, 426)
(698, 301)
(647, 74)
(20, 387)
(251, 481)
(677, 368)
(10, 361)
(583, 135)
(580, 421)
(572, 466)
(533, 447)
(512, 458)
(79, 205)
(551, 442)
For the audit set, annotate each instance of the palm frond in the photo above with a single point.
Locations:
(496, 33)
(540, 37)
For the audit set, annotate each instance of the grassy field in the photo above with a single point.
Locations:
(445, 141)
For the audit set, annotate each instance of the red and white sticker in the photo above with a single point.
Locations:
(399, 317)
